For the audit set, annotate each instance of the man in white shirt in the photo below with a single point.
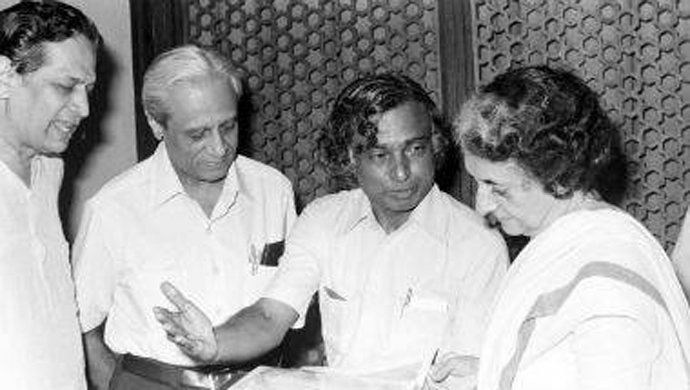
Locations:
(47, 68)
(402, 269)
(195, 212)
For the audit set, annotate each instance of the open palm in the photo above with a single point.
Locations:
(189, 328)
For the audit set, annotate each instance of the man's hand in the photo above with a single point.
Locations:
(189, 328)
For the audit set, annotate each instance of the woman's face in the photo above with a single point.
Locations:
(511, 196)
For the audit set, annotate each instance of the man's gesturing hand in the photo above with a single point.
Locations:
(189, 327)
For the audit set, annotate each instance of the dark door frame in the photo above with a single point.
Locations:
(157, 25)
(456, 50)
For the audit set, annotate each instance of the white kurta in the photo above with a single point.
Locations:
(142, 229)
(391, 300)
(591, 303)
(40, 343)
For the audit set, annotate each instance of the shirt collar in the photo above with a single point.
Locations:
(432, 214)
(361, 211)
(429, 214)
(167, 185)
(231, 190)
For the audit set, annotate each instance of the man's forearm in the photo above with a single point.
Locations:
(100, 360)
(253, 331)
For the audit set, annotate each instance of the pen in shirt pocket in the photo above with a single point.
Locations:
(333, 294)
(254, 258)
(265, 255)
(406, 301)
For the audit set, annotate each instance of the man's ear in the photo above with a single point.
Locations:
(156, 127)
(8, 77)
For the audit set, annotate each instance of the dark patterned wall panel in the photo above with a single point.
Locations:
(297, 54)
(636, 54)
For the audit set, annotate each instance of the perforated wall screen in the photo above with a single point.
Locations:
(297, 55)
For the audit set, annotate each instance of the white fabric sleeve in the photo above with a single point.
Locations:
(613, 353)
(95, 270)
(476, 292)
(288, 200)
(298, 273)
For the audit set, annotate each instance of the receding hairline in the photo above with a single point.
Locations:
(180, 66)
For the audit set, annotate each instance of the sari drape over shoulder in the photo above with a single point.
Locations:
(591, 302)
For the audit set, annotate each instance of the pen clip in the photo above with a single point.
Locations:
(406, 301)
(254, 258)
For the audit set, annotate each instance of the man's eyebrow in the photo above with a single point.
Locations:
(196, 129)
(74, 80)
(63, 78)
(405, 143)
(421, 138)
(229, 121)
(489, 182)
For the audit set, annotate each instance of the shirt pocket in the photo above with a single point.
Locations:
(272, 253)
(423, 321)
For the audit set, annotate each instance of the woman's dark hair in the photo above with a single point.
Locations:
(350, 125)
(552, 125)
(26, 26)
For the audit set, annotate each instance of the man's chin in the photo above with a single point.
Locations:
(404, 205)
(215, 178)
(214, 175)
(55, 150)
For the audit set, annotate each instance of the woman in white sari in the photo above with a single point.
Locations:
(592, 301)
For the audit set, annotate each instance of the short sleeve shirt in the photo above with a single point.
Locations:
(142, 229)
(390, 300)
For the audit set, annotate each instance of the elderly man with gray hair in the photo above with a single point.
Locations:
(195, 212)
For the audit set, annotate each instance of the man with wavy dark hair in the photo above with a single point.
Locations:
(402, 269)
(349, 127)
(47, 68)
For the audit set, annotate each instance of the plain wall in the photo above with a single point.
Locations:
(105, 145)
(111, 128)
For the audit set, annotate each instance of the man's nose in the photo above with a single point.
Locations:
(80, 102)
(217, 144)
(484, 202)
(400, 169)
